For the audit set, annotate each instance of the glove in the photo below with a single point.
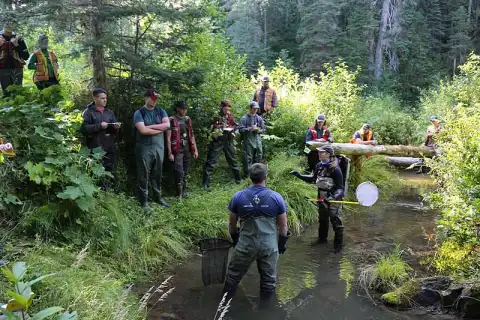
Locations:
(282, 242)
(235, 236)
(295, 173)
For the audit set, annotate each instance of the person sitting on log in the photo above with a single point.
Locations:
(432, 132)
(364, 136)
(318, 132)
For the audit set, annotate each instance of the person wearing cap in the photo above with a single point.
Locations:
(45, 64)
(328, 178)
(223, 133)
(364, 136)
(251, 127)
(266, 97)
(181, 146)
(261, 212)
(13, 53)
(434, 129)
(100, 128)
(150, 123)
(318, 132)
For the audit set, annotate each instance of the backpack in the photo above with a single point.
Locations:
(344, 165)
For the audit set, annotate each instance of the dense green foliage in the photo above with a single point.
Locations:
(401, 46)
(457, 170)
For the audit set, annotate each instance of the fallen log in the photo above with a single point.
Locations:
(363, 149)
(402, 161)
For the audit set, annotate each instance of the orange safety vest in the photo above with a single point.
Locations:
(267, 103)
(315, 134)
(41, 72)
(362, 137)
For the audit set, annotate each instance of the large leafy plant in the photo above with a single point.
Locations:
(22, 297)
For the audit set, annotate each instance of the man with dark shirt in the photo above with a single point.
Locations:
(13, 53)
(260, 211)
(329, 180)
(100, 128)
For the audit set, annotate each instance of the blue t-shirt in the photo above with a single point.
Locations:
(245, 203)
(154, 116)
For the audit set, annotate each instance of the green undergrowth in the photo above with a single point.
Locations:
(387, 273)
(402, 296)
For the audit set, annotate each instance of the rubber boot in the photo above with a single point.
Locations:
(206, 183)
(323, 231)
(185, 191)
(179, 192)
(267, 299)
(238, 179)
(230, 290)
(338, 240)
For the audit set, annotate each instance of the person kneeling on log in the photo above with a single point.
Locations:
(329, 180)
(364, 136)
(318, 132)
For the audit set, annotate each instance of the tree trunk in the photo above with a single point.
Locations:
(265, 30)
(470, 3)
(362, 149)
(381, 39)
(98, 51)
(402, 161)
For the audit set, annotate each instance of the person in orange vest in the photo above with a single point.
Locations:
(45, 64)
(181, 146)
(318, 132)
(266, 97)
(364, 136)
(13, 53)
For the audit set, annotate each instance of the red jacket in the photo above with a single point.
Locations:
(175, 139)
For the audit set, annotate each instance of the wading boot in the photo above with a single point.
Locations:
(338, 241)
(179, 192)
(206, 183)
(267, 299)
(229, 291)
(185, 191)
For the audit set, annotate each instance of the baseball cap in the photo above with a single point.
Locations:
(367, 126)
(181, 105)
(151, 93)
(433, 118)
(254, 105)
(320, 117)
(265, 79)
(327, 149)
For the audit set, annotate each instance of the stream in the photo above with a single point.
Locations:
(314, 283)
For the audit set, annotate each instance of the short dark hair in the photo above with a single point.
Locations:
(180, 104)
(258, 172)
(96, 92)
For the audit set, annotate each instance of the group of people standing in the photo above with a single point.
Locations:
(154, 130)
(14, 56)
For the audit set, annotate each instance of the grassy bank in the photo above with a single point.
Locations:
(120, 244)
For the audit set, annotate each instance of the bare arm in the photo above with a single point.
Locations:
(146, 131)
(232, 222)
(282, 224)
(168, 134)
(164, 126)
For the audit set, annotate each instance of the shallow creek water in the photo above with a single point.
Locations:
(314, 283)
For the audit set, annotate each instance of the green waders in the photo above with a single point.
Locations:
(149, 170)
(258, 242)
(252, 150)
(223, 143)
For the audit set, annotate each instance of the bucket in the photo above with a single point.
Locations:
(214, 260)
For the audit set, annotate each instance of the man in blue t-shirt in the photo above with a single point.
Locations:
(260, 210)
(150, 122)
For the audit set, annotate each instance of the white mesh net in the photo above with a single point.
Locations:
(367, 194)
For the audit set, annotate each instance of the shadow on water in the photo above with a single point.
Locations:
(314, 283)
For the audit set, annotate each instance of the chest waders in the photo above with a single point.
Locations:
(149, 152)
(252, 146)
(223, 143)
(258, 242)
(328, 211)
